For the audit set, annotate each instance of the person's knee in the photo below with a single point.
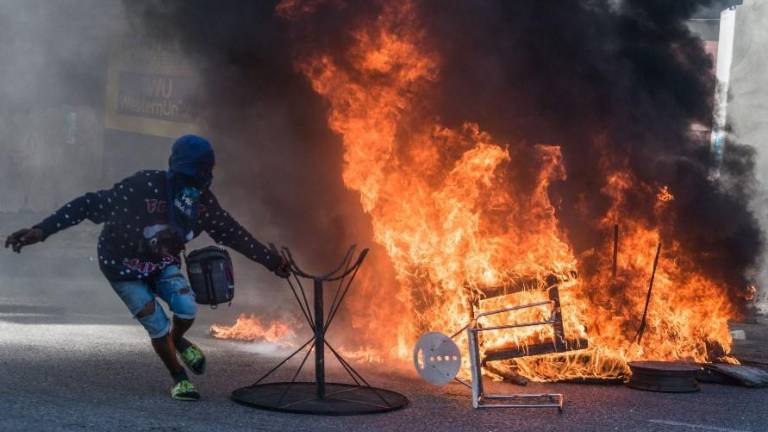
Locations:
(183, 304)
(153, 319)
(147, 310)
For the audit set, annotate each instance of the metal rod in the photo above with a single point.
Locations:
(293, 380)
(346, 390)
(643, 322)
(556, 401)
(294, 272)
(364, 403)
(285, 360)
(357, 264)
(344, 365)
(344, 362)
(301, 305)
(615, 249)
(549, 405)
(510, 326)
(475, 367)
(462, 382)
(304, 296)
(334, 305)
(349, 372)
(347, 257)
(298, 402)
(319, 339)
(523, 396)
(295, 267)
(556, 317)
(346, 289)
(459, 332)
(514, 308)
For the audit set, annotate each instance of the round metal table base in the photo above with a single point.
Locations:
(301, 398)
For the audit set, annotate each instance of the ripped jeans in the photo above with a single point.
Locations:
(171, 286)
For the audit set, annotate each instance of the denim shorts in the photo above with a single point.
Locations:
(171, 286)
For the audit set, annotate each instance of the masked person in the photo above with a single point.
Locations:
(147, 219)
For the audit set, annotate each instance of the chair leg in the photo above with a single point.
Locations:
(479, 398)
(474, 366)
(557, 316)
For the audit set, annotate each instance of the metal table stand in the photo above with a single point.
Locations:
(318, 396)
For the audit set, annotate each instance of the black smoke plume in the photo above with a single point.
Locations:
(613, 84)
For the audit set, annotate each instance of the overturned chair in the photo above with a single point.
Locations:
(438, 359)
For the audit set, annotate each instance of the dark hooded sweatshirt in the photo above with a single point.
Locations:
(136, 210)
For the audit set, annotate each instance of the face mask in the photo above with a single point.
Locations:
(186, 200)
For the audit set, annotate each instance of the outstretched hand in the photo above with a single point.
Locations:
(24, 237)
(284, 269)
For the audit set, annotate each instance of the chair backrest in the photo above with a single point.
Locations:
(559, 343)
(513, 287)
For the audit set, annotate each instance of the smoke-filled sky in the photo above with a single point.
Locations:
(51, 75)
(614, 83)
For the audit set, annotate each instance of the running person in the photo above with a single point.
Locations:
(147, 219)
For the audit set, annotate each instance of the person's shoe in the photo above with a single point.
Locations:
(194, 359)
(184, 390)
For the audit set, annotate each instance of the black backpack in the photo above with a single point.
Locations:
(210, 275)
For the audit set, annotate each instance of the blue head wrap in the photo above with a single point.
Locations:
(190, 170)
(192, 156)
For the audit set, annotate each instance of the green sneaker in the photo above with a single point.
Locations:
(194, 358)
(184, 391)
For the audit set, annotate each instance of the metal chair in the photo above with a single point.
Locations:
(558, 344)
(441, 359)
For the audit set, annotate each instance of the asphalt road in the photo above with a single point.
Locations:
(75, 368)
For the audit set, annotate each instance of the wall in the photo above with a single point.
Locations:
(748, 105)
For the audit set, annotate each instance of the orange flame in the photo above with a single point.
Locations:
(664, 194)
(447, 208)
(251, 329)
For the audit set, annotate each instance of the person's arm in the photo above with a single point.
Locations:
(225, 230)
(94, 206)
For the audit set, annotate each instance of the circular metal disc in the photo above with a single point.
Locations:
(437, 358)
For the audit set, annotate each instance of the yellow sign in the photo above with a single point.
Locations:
(151, 89)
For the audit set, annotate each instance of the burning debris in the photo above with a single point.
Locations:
(251, 328)
(501, 144)
(469, 220)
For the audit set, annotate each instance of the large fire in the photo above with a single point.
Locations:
(449, 208)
